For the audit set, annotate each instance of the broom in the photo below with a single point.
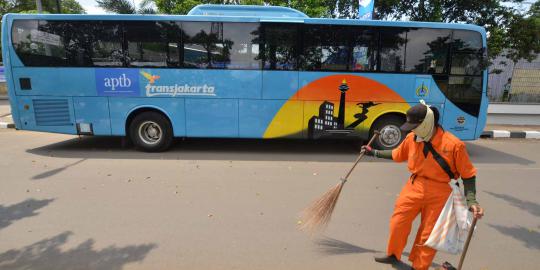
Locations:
(467, 242)
(316, 216)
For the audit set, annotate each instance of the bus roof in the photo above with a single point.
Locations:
(247, 10)
(246, 13)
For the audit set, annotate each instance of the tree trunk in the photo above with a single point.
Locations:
(421, 11)
(58, 9)
(39, 7)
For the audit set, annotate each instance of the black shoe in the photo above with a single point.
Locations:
(448, 266)
(386, 259)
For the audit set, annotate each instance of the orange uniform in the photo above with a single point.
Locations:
(426, 192)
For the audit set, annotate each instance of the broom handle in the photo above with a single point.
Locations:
(362, 153)
(466, 247)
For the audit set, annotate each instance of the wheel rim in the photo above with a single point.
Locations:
(150, 132)
(390, 136)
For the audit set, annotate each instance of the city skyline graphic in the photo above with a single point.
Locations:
(325, 124)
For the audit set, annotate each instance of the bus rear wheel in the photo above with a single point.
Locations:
(151, 132)
(391, 134)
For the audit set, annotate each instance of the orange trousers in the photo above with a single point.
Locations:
(421, 196)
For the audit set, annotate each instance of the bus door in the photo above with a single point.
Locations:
(462, 105)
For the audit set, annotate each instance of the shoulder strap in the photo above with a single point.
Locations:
(444, 165)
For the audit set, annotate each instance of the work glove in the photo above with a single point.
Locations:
(368, 150)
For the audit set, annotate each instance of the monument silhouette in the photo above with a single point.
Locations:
(326, 125)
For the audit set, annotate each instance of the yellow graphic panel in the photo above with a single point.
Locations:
(336, 106)
(288, 122)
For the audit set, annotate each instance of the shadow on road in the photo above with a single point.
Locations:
(483, 154)
(242, 149)
(529, 237)
(206, 149)
(49, 254)
(330, 246)
(531, 207)
(52, 172)
(24, 209)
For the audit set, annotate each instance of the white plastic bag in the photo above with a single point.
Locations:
(453, 224)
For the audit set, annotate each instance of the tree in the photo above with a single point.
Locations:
(49, 6)
(313, 8)
(524, 35)
(126, 7)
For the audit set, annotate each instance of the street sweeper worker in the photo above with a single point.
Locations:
(434, 156)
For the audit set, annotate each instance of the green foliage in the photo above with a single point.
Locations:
(313, 8)
(180, 6)
(18, 6)
(524, 35)
(126, 7)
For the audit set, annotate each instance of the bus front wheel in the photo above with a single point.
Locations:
(391, 134)
(151, 132)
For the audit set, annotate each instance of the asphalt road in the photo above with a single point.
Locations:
(69, 203)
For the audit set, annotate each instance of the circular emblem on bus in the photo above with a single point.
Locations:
(461, 120)
(422, 91)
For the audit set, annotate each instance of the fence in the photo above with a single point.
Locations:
(525, 84)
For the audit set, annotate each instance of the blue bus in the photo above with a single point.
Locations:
(240, 72)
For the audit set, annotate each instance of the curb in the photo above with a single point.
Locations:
(6, 125)
(526, 134)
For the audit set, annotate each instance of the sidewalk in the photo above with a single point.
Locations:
(5, 115)
(511, 131)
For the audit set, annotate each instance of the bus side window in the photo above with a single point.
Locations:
(392, 49)
(174, 44)
(241, 46)
(364, 44)
(326, 48)
(105, 37)
(40, 43)
(427, 50)
(280, 46)
(147, 43)
(466, 53)
(202, 43)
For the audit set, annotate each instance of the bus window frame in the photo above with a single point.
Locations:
(179, 39)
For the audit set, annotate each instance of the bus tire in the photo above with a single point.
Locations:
(151, 132)
(391, 134)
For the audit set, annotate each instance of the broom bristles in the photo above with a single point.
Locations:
(316, 216)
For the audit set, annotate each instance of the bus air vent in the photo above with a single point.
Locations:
(51, 112)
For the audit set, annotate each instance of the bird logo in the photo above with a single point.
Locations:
(151, 78)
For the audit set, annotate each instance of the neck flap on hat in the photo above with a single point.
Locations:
(425, 131)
